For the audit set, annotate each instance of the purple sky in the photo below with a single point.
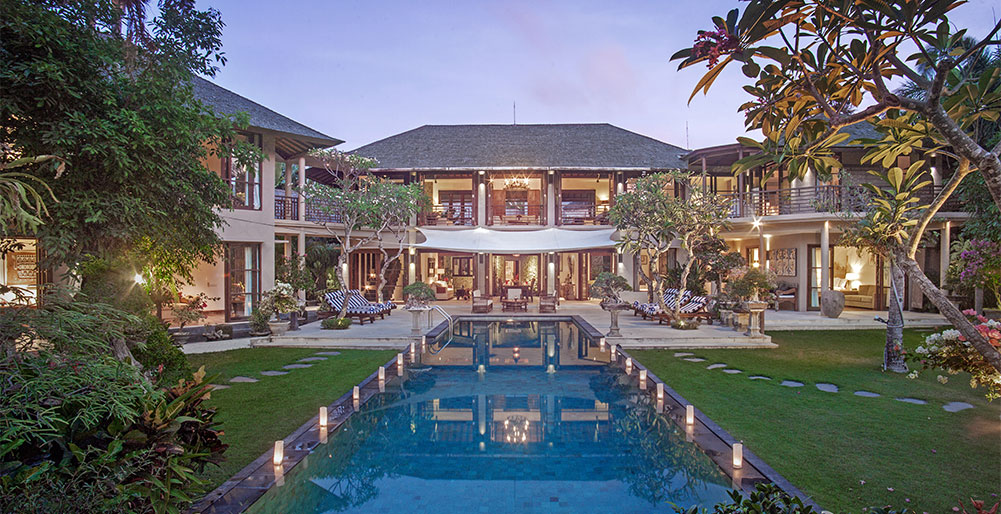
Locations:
(364, 70)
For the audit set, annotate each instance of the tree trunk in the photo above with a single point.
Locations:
(950, 311)
(893, 358)
(342, 271)
(681, 286)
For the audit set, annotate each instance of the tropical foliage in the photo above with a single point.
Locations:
(950, 351)
(977, 263)
(819, 66)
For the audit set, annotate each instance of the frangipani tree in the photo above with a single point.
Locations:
(696, 223)
(399, 203)
(821, 65)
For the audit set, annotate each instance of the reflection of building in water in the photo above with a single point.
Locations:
(517, 343)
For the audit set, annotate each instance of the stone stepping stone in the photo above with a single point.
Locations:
(216, 387)
(956, 406)
(828, 388)
(274, 373)
(683, 354)
(243, 380)
(791, 383)
(914, 401)
(715, 366)
(311, 359)
(694, 359)
(866, 394)
(331, 354)
(732, 371)
(759, 377)
(296, 366)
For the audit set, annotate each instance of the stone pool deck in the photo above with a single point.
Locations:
(394, 332)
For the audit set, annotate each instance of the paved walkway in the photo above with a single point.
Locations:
(394, 331)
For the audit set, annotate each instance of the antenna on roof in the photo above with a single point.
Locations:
(686, 135)
(514, 113)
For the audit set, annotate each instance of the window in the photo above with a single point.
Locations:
(243, 279)
(244, 182)
(516, 202)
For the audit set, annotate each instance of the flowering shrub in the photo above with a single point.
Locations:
(281, 299)
(978, 264)
(713, 44)
(192, 310)
(950, 351)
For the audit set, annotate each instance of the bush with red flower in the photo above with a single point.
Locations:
(977, 263)
(950, 351)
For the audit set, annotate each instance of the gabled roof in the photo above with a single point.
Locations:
(578, 145)
(300, 137)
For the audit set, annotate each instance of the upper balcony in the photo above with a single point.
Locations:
(287, 208)
(449, 214)
(816, 199)
(583, 213)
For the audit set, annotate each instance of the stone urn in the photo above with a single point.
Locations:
(278, 327)
(416, 309)
(832, 303)
(755, 320)
(614, 308)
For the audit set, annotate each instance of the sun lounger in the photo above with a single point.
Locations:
(358, 306)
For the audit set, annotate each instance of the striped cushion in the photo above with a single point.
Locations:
(696, 304)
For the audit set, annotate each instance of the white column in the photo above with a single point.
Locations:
(946, 243)
(302, 186)
(550, 272)
(551, 199)
(301, 252)
(825, 256)
(481, 198)
(412, 251)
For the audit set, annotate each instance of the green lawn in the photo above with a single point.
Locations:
(254, 415)
(848, 451)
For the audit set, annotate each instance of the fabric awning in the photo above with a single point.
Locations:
(487, 240)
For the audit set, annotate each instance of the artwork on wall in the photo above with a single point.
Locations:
(783, 262)
(462, 266)
(21, 269)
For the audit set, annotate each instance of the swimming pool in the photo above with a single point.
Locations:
(510, 415)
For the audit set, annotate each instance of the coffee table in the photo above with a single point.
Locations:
(520, 304)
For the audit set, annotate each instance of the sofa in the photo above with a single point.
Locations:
(863, 298)
(443, 291)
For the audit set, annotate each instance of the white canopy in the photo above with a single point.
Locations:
(487, 240)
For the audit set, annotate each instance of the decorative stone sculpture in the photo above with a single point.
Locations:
(832, 303)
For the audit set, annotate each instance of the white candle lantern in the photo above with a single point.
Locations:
(413, 347)
(629, 365)
(551, 369)
(613, 353)
(279, 455)
(481, 369)
(660, 391)
(323, 417)
(382, 373)
(642, 379)
(738, 455)
(399, 365)
(356, 393)
(689, 415)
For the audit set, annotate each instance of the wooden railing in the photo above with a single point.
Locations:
(583, 213)
(287, 208)
(823, 198)
(449, 214)
(517, 214)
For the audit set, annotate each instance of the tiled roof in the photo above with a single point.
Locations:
(227, 102)
(579, 145)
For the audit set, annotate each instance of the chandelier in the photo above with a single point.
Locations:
(516, 429)
(516, 183)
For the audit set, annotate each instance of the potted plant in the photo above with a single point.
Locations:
(418, 295)
(607, 286)
(748, 288)
(188, 312)
(281, 300)
(259, 321)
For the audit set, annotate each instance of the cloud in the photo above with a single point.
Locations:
(608, 75)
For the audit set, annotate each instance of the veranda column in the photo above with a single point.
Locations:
(302, 186)
(946, 242)
(288, 185)
(412, 251)
(481, 197)
(551, 273)
(301, 252)
(551, 199)
(825, 256)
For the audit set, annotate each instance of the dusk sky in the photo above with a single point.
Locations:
(364, 70)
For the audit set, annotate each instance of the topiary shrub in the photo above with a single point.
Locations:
(419, 294)
(259, 321)
(335, 323)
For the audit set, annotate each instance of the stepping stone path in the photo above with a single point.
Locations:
(243, 380)
(312, 359)
(866, 394)
(274, 373)
(683, 354)
(956, 406)
(791, 383)
(296, 366)
(216, 387)
(694, 359)
(715, 366)
(828, 388)
(759, 377)
(732, 371)
(915, 401)
(331, 354)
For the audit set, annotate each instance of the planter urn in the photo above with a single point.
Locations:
(415, 311)
(755, 319)
(832, 303)
(614, 309)
(278, 328)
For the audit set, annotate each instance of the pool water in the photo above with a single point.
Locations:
(547, 426)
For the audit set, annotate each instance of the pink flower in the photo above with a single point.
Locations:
(970, 312)
(861, 482)
(889, 489)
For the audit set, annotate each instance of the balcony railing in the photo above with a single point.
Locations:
(449, 214)
(583, 213)
(287, 208)
(823, 198)
(517, 213)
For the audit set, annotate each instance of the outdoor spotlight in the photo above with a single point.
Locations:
(323, 417)
(139, 279)
(689, 415)
(738, 455)
(279, 453)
